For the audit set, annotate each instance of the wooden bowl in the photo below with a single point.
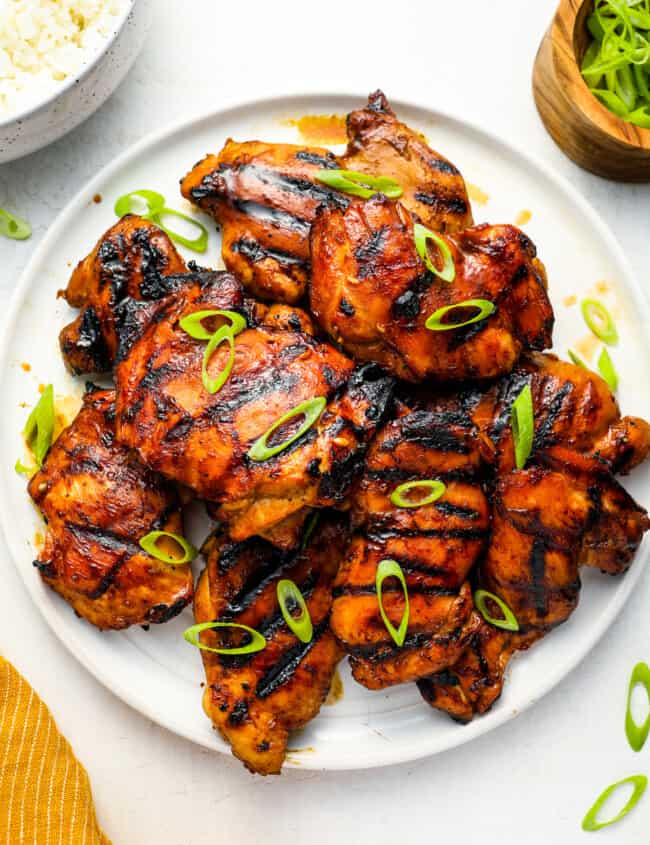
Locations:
(579, 124)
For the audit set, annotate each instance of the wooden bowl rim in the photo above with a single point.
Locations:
(585, 101)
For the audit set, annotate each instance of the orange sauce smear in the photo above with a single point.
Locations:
(587, 346)
(523, 217)
(336, 690)
(477, 195)
(570, 300)
(320, 128)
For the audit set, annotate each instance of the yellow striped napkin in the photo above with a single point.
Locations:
(45, 796)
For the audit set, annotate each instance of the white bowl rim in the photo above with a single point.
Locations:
(21, 116)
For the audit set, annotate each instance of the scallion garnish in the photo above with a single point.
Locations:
(509, 620)
(14, 227)
(577, 360)
(599, 320)
(290, 598)
(224, 334)
(590, 822)
(637, 734)
(257, 641)
(434, 322)
(422, 236)
(617, 62)
(607, 369)
(39, 428)
(401, 497)
(392, 569)
(151, 206)
(311, 409)
(359, 184)
(193, 323)
(151, 545)
(522, 422)
(310, 527)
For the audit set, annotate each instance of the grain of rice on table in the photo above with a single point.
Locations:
(45, 42)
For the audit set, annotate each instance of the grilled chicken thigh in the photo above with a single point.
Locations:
(436, 546)
(265, 197)
(202, 440)
(380, 145)
(564, 511)
(130, 260)
(373, 294)
(257, 700)
(99, 502)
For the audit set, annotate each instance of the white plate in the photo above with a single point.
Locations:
(157, 672)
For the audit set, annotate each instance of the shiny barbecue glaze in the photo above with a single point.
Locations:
(256, 701)
(202, 440)
(99, 501)
(564, 510)
(433, 189)
(265, 197)
(436, 545)
(373, 294)
(131, 259)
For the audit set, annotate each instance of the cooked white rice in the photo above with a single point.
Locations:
(43, 42)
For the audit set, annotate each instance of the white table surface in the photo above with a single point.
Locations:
(529, 781)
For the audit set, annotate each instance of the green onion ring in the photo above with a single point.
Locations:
(359, 184)
(434, 322)
(637, 734)
(577, 360)
(522, 422)
(14, 227)
(301, 625)
(214, 385)
(399, 497)
(509, 621)
(21, 469)
(39, 428)
(607, 369)
(257, 643)
(198, 244)
(312, 409)
(599, 320)
(192, 324)
(589, 822)
(153, 201)
(422, 236)
(150, 545)
(391, 569)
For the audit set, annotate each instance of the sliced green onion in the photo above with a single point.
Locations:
(143, 203)
(224, 334)
(21, 469)
(198, 244)
(39, 428)
(434, 322)
(290, 597)
(422, 236)
(14, 227)
(509, 620)
(580, 362)
(612, 101)
(640, 117)
(257, 641)
(392, 569)
(599, 320)
(401, 499)
(522, 421)
(359, 184)
(637, 734)
(193, 323)
(640, 783)
(312, 409)
(150, 544)
(607, 369)
(310, 527)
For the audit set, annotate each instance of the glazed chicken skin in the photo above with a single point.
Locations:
(372, 293)
(436, 546)
(563, 511)
(131, 259)
(256, 701)
(202, 440)
(99, 501)
(433, 189)
(264, 197)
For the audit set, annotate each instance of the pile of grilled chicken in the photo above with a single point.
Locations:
(335, 297)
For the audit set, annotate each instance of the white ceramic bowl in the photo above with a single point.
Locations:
(82, 94)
